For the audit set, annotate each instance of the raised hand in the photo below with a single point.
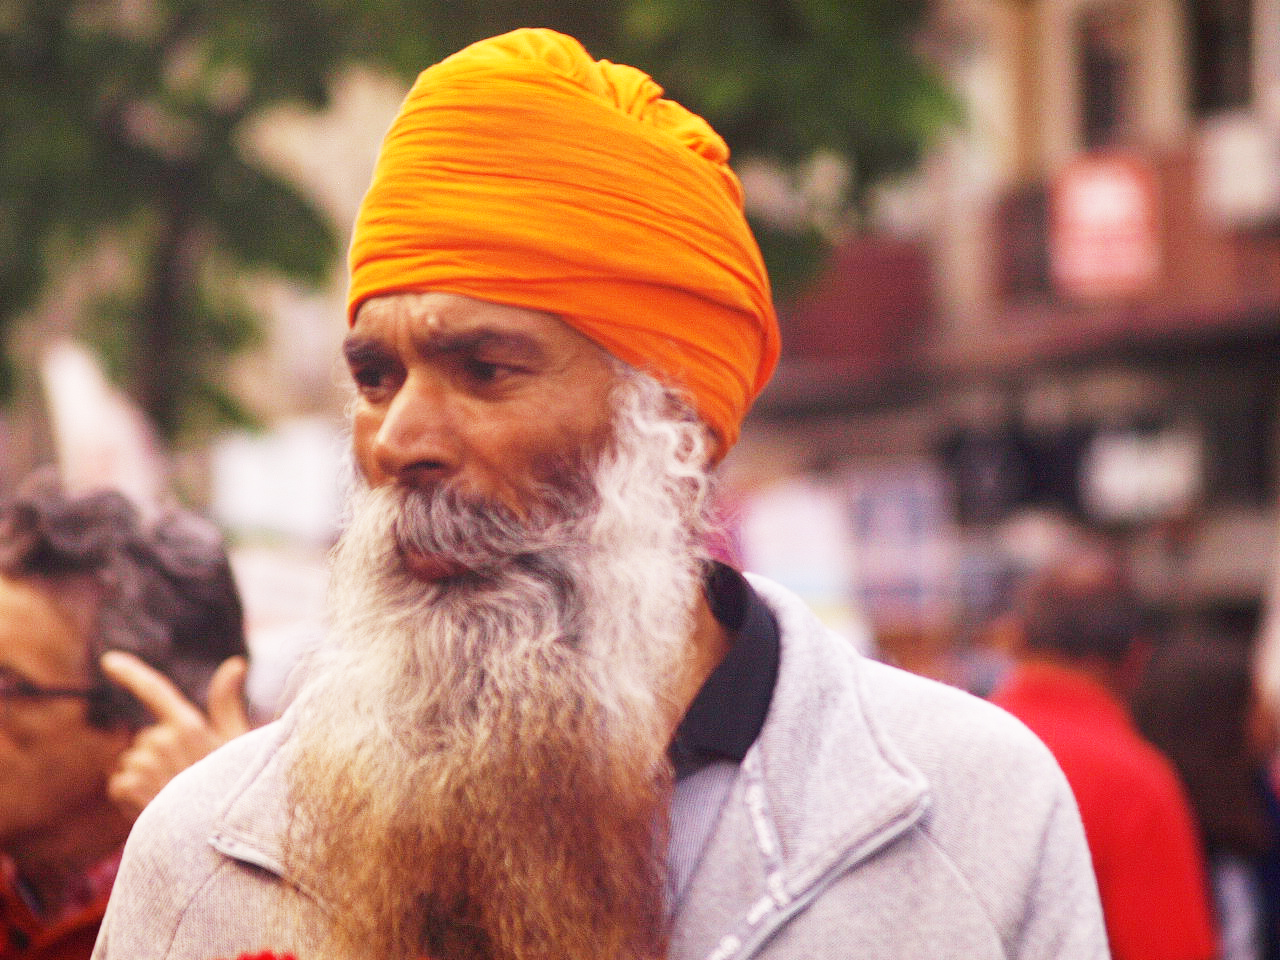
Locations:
(181, 735)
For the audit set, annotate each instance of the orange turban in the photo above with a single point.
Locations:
(522, 171)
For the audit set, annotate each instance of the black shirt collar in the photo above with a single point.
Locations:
(725, 717)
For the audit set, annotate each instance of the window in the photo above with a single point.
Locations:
(1221, 54)
(1105, 67)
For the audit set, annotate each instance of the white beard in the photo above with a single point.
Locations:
(481, 767)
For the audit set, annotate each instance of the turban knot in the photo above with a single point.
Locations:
(522, 171)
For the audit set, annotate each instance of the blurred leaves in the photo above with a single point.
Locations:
(123, 118)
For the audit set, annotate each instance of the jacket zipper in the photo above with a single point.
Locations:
(732, 947)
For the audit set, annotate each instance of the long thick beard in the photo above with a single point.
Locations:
(481, 764)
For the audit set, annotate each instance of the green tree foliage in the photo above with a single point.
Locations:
(122, 119)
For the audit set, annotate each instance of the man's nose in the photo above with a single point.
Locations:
(417, 442)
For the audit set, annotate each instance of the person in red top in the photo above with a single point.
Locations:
(1078, 654)
(81, 577)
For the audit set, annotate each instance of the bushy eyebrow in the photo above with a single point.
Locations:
(362, 351)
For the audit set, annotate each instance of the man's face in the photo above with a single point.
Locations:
(449, 722)
(53, 763)
(490, 400)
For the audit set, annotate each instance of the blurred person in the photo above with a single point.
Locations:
(544, 723)
(1198, 703)
(82, 578)
(1030, 540)
(179, 733)
(1078, 639)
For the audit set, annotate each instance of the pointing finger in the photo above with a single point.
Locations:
(227, 713)
(165, 701)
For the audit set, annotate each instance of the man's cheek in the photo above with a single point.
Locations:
(565, 472)
(362, 456)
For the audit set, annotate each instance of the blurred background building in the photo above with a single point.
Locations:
(1068, 313)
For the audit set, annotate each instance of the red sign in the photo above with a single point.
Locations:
(1104, 232)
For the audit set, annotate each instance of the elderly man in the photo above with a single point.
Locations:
(544, 723)
(82, 577)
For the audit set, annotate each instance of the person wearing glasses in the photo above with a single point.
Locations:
(81, 577)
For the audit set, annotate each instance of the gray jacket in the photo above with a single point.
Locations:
(878, 816)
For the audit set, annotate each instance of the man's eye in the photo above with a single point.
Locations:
(370, 379)
(485, 372)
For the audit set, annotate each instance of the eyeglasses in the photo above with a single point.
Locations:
(15, 686)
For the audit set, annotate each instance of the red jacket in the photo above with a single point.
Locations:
(1141, 832)
(68, 936)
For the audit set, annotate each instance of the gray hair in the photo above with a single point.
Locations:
(163, 591)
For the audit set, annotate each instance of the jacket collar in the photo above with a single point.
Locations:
(791, 823)
(819, 738)
(254, 824)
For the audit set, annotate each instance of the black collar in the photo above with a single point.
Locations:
(725, 717)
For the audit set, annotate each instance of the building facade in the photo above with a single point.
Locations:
(1071, 309)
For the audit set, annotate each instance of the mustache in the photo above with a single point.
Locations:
(480, 533)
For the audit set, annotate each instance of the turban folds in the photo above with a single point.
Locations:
(522, 171)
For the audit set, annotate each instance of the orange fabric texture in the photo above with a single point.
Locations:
(522, 171)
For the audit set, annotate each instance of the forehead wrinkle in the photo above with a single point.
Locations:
(435, 341)
(432, 343)
(433, 330)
